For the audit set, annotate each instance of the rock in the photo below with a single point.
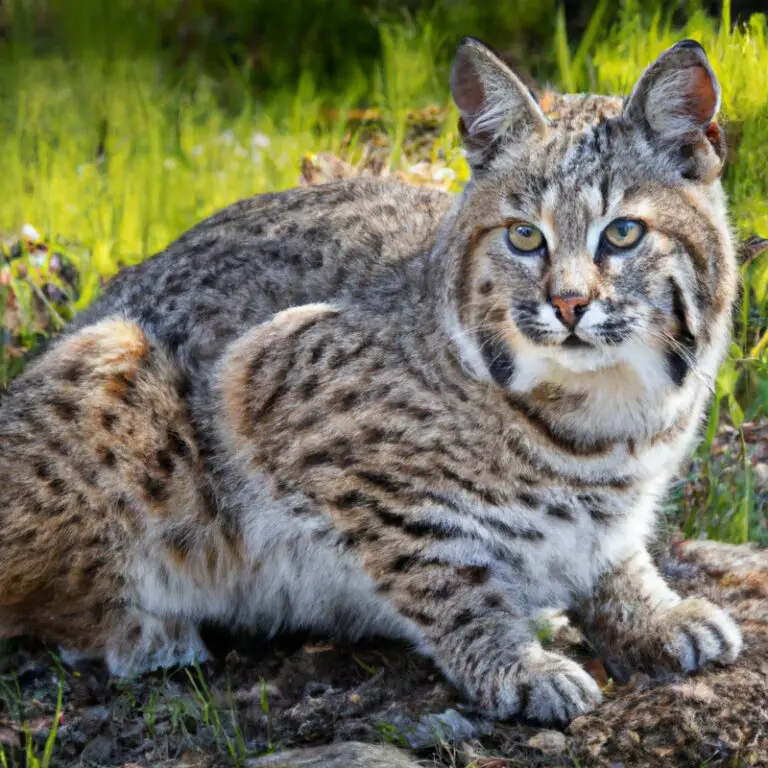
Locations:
(717, 717)
(93, 717)
(345, 755)
(549, 742)
(718, 558)
(32, 671)
(99, 750)
(132, 735)
(432, 730)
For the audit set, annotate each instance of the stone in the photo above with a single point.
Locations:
(344, 755)
(549, 742)
(432, 730)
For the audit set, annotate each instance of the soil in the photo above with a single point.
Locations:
(298, 692)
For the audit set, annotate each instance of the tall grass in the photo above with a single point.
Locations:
(108, 145)
(121, 163)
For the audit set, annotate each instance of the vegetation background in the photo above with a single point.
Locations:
(124, 122)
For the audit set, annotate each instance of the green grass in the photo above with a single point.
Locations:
(171, 707)
(11, 698)
(228, 736)
(112, 144)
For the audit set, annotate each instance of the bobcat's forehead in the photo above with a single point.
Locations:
(588, 150)
(578, 111)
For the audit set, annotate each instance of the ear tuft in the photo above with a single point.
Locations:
(493, 103)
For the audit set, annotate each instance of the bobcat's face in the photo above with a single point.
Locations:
(596, 231)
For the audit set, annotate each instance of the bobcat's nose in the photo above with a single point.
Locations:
(569, 308)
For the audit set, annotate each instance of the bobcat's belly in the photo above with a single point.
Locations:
(307, 585)
(288, 574)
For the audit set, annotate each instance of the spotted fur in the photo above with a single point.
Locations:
(354, 409)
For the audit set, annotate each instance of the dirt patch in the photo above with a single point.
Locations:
(302, 692)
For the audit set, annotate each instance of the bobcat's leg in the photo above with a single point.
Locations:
(485, 644)
(638, 623)
(140, 642)
(466, 615)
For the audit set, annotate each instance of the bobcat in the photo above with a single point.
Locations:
(367, 408)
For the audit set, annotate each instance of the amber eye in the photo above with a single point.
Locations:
(524, 238)
(624, 233)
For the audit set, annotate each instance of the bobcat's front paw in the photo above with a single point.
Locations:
(697, 632)
(545, 687)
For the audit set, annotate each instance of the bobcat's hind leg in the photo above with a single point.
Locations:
(143, 642)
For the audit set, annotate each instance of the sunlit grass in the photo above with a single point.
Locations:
(125, 165)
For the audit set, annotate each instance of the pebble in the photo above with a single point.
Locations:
(431, 730)
(549, 742)
(99, 750)
(343, 755)
(95, 716)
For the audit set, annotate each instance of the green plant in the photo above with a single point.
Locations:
(149, 714)
(265, 710)
(12, 696)
(233, 745)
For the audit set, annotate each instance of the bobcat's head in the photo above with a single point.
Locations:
(592, 248)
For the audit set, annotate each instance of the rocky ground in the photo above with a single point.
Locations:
(302, 701)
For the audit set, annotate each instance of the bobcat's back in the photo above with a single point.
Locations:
(262, 255)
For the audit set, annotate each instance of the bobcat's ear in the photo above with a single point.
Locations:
(676, 100)
(494, 105)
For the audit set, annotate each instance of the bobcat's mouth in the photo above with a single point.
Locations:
(574, 342)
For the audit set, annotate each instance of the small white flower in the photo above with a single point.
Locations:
(241, 151)
(30, 233)
(38, 256)
(228, 137)
(169, 163)
(197, 150)
(443, 174)
(260, 140)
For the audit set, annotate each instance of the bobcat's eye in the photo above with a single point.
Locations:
(624, 233)
(525, 238)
